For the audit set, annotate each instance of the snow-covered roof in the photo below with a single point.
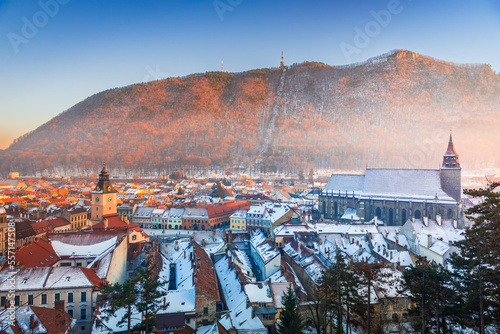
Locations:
(258, 292)
(179, 301)
(81, 247)
(176, 213)
(143, 212)
(350, 213)
(415, 184)
(239, 315)
(266, 251)
(239, 214)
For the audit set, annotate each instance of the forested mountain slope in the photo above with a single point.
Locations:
(394, 110)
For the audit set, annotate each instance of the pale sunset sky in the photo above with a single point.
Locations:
(55, 53)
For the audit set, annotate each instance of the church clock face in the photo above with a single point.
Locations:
(97, 199)
(109, 199)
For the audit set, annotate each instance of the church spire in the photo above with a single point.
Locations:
(450, 158)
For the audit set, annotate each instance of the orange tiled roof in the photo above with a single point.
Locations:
(206, 276)
(55, 321)
(36, 254)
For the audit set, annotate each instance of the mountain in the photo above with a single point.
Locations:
(395, 110)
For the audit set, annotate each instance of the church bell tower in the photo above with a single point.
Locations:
(103, 197)
(451, 172)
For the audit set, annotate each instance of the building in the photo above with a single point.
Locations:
(264, 255)
(77, 218)
(238, 220)
(34, 319)
(175, 218)
(78, 287)
(395, 195)
(103, 197)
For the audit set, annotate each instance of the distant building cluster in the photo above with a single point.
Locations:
(226, 254)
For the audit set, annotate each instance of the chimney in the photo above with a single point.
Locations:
(59, 305)
(390, 258)
(438, 219)
(184, 253)
(429, 241)
(105, 222)
(226, 251)
(164, 303)
(192, 275)
(426, 221)
(242, 286)
(125, 219)
(32, 321)
(378, 248)
(397, 241)
(455, 224)
(214, 235)
(352, 240)
(357, 242)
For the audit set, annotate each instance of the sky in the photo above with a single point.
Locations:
(56, 53)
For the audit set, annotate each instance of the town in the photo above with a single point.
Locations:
(226, 255)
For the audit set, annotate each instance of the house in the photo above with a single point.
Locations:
(207, 302)
(59, 224)
(39, 253)
(113, 222)
(432, 238)
(77, 217)
(35, 319)
(238, 220)
(265, 256)
(24, 233)
(261, 298)
(175, 218)
(164, 219)
(156, 218)
(142, 217)
(241, 316)
(103, 251)
(78, 287)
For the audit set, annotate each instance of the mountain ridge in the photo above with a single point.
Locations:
(392, 110)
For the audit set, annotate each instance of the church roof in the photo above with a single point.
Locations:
(402, 184)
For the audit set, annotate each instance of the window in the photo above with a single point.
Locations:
(70, 312)
(134, 237)
(70, 297)
(3, 301)
(44, 299)
(57, 297)
(395, 304)
(17, 301)
(30, 299)
(78, 264)
(83, 313)
(83, 297)
(205, 311)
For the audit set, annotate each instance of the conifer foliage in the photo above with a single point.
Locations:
(290, 321)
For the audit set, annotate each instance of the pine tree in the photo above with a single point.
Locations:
(119, 296)
(434, 294)
(478, 262)
(149, 292)
(290, 318)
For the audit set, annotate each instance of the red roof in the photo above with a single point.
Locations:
(92, 276)
(225, 209)
(41, 227)
(114, 222)
(206, 276)
(37, 254)
(55, 321)
(58, 222)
